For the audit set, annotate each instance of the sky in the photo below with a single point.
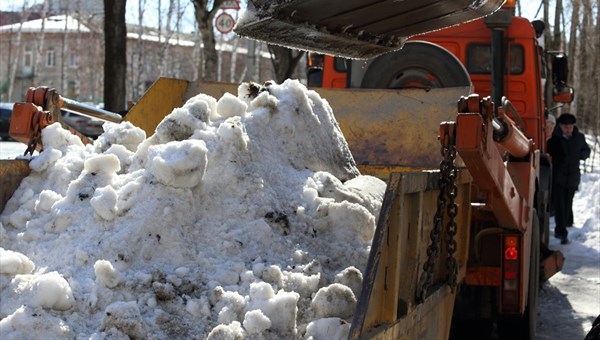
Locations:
(241, 216)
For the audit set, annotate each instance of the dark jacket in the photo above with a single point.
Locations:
(566, 154)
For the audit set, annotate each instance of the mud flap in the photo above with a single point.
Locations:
(552, 263)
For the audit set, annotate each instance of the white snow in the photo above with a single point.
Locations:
(240, 217)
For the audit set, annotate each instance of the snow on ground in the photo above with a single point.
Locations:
(244, 216)
(13, 150)
(570, 301)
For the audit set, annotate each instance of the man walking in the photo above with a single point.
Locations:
(567, 146)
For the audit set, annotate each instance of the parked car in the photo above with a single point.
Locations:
(5, 113)
(88, 126)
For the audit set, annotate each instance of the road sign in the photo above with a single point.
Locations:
(230, 4)
(224, 23)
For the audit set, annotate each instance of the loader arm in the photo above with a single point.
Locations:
(42, 107)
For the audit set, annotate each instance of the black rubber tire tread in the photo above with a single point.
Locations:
(524, 327)
(450, 72)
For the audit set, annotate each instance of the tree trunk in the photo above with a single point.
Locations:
(284, 61)
(39, 53)
(18, 52)
(585, 101)
(64, 49)
(139, 87)
(573, 38)
(557, 41)
(204, 18)
(547, 46)
(115, 59)
(596, 71)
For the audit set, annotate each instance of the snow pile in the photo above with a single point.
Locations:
(239, 218)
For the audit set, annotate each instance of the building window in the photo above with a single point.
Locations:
(73, 60)
(28, 59)
(71, 87)
(50, 58)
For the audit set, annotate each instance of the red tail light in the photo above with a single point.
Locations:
(511, 264)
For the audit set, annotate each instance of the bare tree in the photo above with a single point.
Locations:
(78, 51)
(596, 71)
(63, 46)
(38, 55)
(205, 11)
(115, 57)
(139, 54)
(573, 36)
(285, 61)
(585, 101)
(165, 58)
(18, 50)
(557, 43)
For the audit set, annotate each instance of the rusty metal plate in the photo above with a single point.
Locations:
(12, 173)
(387, 129)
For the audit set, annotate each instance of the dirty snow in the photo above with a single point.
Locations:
(240, 217)
(234, 254)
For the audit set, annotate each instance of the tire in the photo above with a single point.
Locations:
(524, 327)
(418, 64)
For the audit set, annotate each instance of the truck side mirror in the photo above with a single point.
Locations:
(560, 68)
(561, 93)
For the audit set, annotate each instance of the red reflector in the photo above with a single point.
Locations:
(511, 253)
(510, 241)
(510, 275)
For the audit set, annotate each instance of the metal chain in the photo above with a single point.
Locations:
(452, 211)
(435, 235)
(35, 139)
(446, 202)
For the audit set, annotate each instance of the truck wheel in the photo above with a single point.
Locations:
(524, 327)
(418, 64)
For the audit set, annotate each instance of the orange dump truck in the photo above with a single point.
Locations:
(460, 246)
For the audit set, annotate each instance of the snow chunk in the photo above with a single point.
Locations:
(106, 164)
(233, 331)
(45, 159)
(256, 322)
(230, 305)
(178, 164)
(58, 138)
(280, 308)
(106, 274)
(230, 106)
(34, 323)
(48, 290)
(45, 200)
(104, 202)
(126, 318)
(328, 328)
(12, 262)
(334, 300)
(124, 134)
(202, 107)
(351, 277)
